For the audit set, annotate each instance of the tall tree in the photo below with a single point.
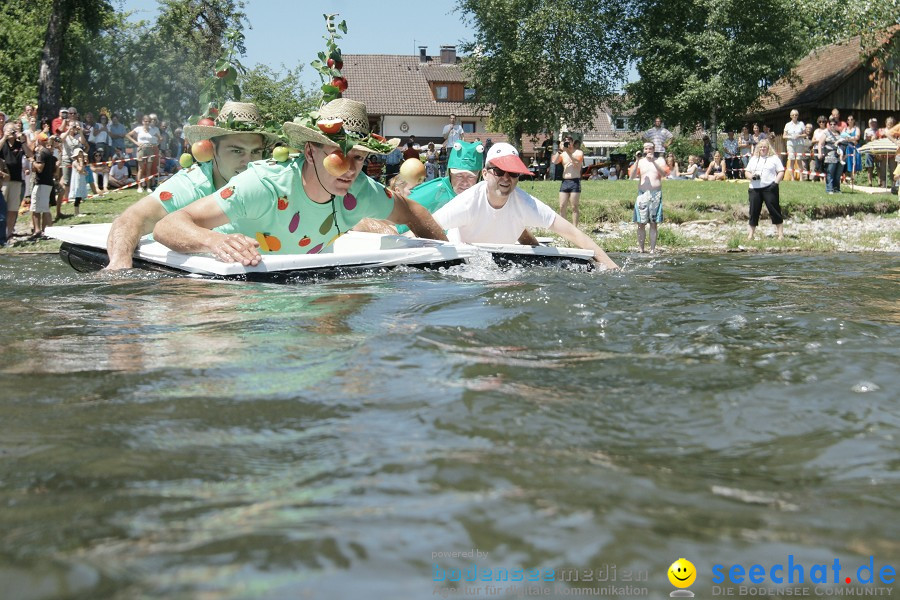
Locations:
(21, 33)
(541, 64)
(280, 96)
(88, 13)
(715, 60)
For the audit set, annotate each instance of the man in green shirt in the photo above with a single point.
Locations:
(300, 205)
(238, 138)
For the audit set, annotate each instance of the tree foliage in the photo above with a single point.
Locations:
(540, 64)
(715, 61)
(280, 95)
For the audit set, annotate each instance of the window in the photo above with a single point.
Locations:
(468, 126)
(621, 123)
(440, 92)
(469, 94)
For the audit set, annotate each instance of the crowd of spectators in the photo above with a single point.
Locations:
(78, 155)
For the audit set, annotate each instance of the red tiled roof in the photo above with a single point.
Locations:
(820, 72)
(396, 84)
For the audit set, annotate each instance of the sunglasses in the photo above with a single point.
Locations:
(498, 172)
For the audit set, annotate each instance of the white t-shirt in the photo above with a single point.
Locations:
(454, 133)
(476, 221)
(150, 137)
(768, 169)
(793, 131)
(119, 171)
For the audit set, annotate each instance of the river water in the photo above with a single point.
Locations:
(174, 438)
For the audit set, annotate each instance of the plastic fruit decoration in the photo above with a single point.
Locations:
(336, 163)
(412, 171)
(203, 150)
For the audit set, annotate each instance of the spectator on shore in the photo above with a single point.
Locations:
(100, 168)
(71, 140)
(660, 136)
(672, 165)
(716, 169)
(794, 131)
(732, 162)
(745, 146)
(26, 117)
(99, 138)
(146, 139)
(829, 153)
(871, 134)
(817, 138)
(755, 137)
(836, 115)
(78, 183)
(851, 135)
(693, 168)
(45, 166)
(14, 150)
(117, 133)
(648, 206)
(411, 150)
(807, 157)
(707, 151)
(765, 172)
(119, 176)
(891, 131)
(57, 124)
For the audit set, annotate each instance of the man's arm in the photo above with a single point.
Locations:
(417, 218)
(189, 230)
(127, 229)
(564, 228)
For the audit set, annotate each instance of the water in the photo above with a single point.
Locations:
(169, 438)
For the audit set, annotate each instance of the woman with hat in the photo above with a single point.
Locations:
(238, 137)
(298, 206)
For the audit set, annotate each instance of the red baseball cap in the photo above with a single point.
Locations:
(506, 157)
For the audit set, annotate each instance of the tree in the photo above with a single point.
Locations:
(715, 61)
(21, 35)
(540, 64)
(63, 13)
(278, 94)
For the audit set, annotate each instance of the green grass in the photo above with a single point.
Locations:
(685, 201)
(96, 210)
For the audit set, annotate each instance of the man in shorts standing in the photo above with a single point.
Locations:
(571, 158)
(649, 172)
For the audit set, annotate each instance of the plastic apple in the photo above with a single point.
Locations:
(281, 153)
(336, 163)
(206, 122)
(330, 126)
(412, 171)
(186, 160)
(203, 150)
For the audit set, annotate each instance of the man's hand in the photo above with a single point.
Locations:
(236, 247)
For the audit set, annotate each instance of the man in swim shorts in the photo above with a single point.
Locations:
(238, 138)
(298, 206)
(649, 172)
(571, 158)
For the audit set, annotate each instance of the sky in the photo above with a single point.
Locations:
(290, 32)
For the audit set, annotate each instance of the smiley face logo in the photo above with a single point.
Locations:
(682, 573)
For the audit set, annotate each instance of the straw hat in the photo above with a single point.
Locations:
(355, 122)
(245, 118)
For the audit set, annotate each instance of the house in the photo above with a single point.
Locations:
(415, 95)
(833, 76)
(412, 95)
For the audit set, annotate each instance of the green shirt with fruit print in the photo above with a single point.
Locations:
(186, 186)
(267, 202)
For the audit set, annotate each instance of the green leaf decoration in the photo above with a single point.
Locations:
(343, 26)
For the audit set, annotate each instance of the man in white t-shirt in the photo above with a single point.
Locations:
(452, 132)
(794, 130)
(495, 211)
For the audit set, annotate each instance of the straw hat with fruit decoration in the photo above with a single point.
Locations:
(234, 118)
(343, 124)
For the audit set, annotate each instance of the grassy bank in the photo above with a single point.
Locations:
(606, 211)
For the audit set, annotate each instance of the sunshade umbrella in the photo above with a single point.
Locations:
(880, 147)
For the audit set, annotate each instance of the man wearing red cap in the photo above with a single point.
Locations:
(495, 211)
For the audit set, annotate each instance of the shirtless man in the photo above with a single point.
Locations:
(571, 158)
(648, 207)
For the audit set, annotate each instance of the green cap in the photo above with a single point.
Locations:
(467, 156)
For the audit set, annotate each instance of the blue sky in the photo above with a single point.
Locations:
(290, 32)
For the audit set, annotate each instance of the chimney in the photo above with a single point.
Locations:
(448, 55)
(423, 54)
